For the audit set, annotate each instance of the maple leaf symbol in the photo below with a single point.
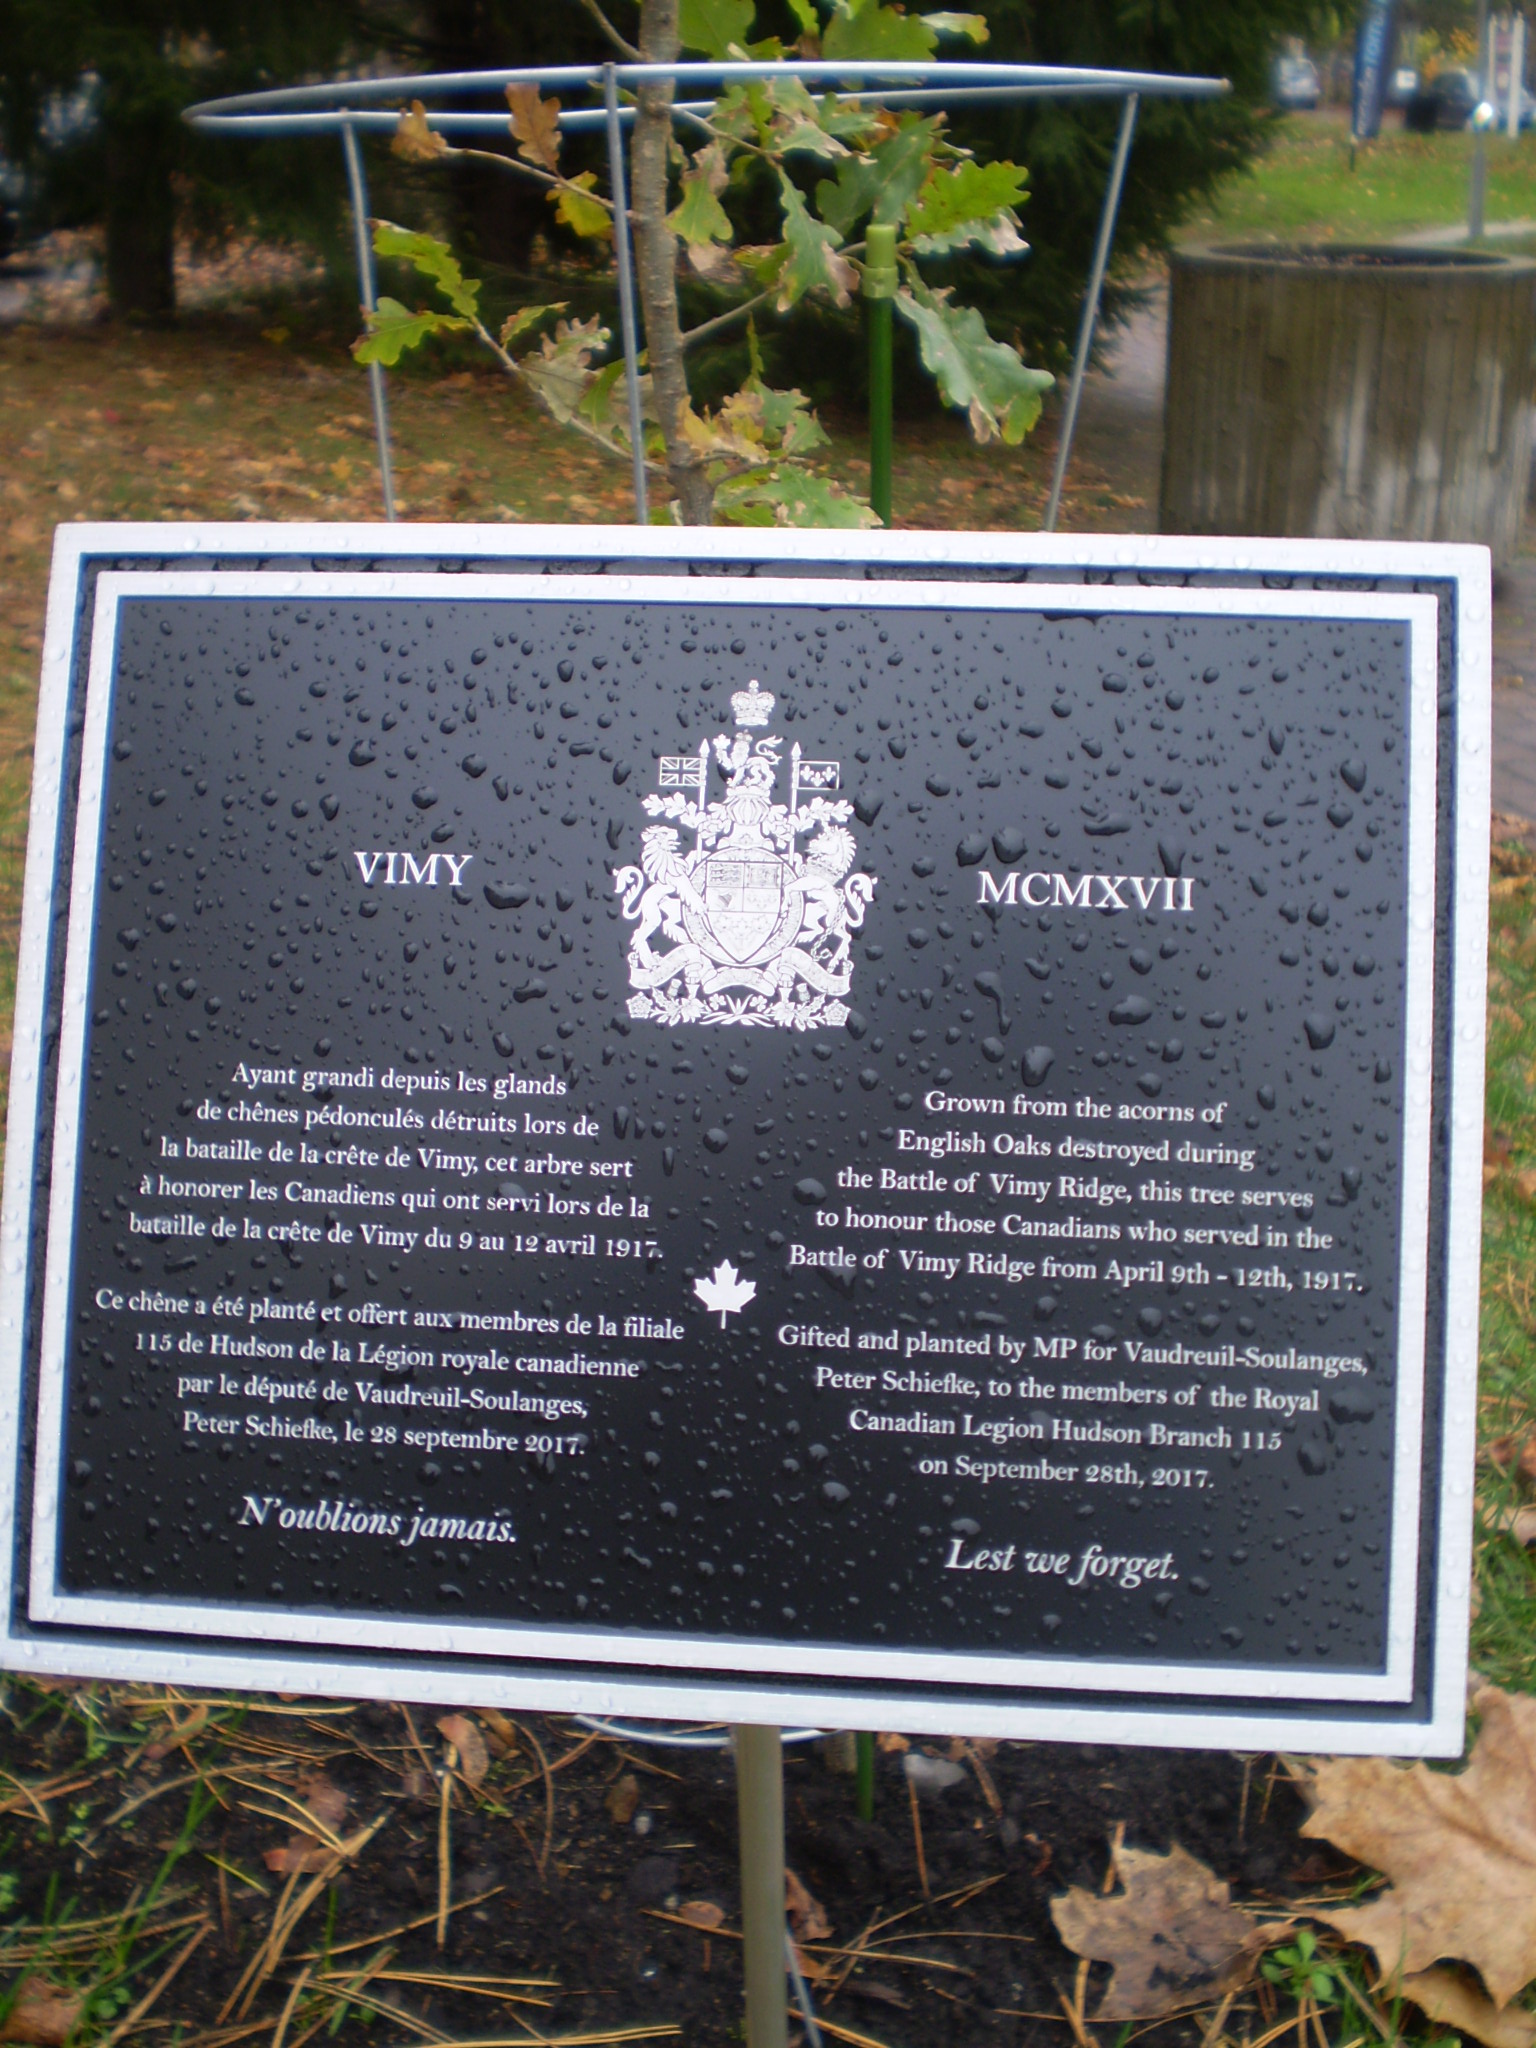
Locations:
(725, 1290)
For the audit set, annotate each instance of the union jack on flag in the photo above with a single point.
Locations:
(682, 771)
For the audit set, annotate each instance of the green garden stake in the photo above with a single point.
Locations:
(864, 1757)
(880, 277)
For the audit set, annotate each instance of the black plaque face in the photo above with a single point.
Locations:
(879, 1133)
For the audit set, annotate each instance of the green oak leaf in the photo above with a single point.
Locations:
(972, 26)
(560, 371)
(862, 29)
(699, 218)
(393, 328)
(714, 25)
(812, 261)
(517, 324)
(985, 379)
(805, 14)
(969, 192)
(883, 183)
(790, 496)
(581, 214)
(433, 259)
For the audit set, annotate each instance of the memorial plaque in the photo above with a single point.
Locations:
(756, 1144)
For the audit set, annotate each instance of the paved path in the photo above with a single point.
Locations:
(1120, 433)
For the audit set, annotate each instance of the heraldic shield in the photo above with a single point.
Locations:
(757, 928)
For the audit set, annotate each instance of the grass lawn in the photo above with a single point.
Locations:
(1305, 189)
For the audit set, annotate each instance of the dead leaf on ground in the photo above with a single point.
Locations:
(807, 1915)
(43, 2015)
(1517, 1522)
(325, 1800)
(891, 1745)
(414, 139)
(500, 1733)
(300, 1854)
(1455, 2001)
(1173, 1935)
(177, 1736)
(1460, 1851)
(1515, 1452)
(702, 1913)
(536, 125)
(622, 1800)
(464, 1734)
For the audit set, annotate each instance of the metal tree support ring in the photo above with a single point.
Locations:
(350, 108)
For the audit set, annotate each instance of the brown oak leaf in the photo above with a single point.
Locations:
(622, 1800)
(1173, 1934)
(474, 1757)
(807, 1915)
(415, 139)
(1517, 1450)
(1455, 2001)
(1460, 1851)
(536, 125)
(43, 2015)
(702, 1913)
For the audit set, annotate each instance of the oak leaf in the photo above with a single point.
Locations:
(43, 2015)
(1455, 2001)
(702, 1913)
(415, 139)
(807, 1915)
(536, 125)
(1173, 1935)
(1460, 1851)
(622, 1800)
(474, 1758)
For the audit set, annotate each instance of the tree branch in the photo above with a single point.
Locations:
(625, 49)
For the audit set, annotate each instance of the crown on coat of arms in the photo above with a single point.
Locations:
(753, 706)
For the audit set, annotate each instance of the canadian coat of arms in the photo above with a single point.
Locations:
(758, 930)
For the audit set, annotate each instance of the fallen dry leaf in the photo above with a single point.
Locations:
(536, 124)
(1517, 1522)
(177, 1736)
(702, 1913)
(464, 1734)
(891, 1745)
(807, 1915)
(1173, 1935)
(325, 1800)
(1453, 2000)
(43, 2015)
(623, 1797)
(1460, 1851)
(1516, 1451)
(500, 1733)
(300, 1854)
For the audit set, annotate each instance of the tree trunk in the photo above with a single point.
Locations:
(140, 216)
(656, 264)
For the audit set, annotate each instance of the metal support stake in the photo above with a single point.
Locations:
(760, 1811)
(1091, 304)
(864, 1774)
(880, 279)
(357, 186)
(619, 191)
(1477, 196)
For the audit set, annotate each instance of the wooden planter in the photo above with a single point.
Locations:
(1364, 394)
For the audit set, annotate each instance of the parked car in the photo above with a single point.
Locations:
(1446, 101)
(1297, 86)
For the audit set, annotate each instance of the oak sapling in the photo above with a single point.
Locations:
(831, 167)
